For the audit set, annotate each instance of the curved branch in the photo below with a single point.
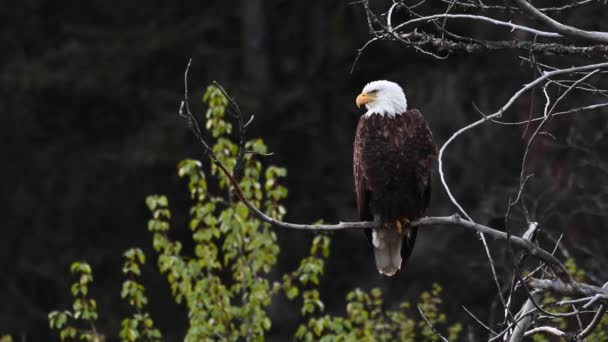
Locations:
(499, 113)
(594, 322)
(455, 220)
(546, 329)
(565, 30)
(481, 18)
(599, 314)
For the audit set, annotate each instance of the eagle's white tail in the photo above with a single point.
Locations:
(387, 250)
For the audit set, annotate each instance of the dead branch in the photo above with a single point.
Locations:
(549, 330)
(601, 311)
(479, 18)
(471, 45)
(519, 331)
(242, 133)
(528, 307)
(480, 5)
(559, 38)
(569, 31)
(571, 289)
(499, 113)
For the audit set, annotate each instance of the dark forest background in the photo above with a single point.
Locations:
(89, 127)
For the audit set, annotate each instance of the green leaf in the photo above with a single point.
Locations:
(151, 202)
(241, 211)
(292, 292)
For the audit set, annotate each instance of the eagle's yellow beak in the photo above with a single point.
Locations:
(363, 98)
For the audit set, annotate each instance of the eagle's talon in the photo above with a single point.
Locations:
(401, 223)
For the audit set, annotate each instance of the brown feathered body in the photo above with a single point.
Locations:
(393, 157)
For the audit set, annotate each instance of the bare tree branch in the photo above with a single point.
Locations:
(546, 116)
(526, 318)
(572, 289)
(601, 311)
(499, 113)
(569, 31)
(433, 44)
(480, 18)
(569, 111)
(482, 6)
(479, 321)
(529, 305)
(242, 133)
(442, 44)
(546, 329)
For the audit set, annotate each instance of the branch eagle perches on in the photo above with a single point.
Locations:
(455, 220)
(555, 38)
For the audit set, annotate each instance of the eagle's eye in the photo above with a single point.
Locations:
(373, 91)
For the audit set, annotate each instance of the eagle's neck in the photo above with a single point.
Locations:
(387, 114)
(389, 106)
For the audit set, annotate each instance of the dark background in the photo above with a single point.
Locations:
(89, 127)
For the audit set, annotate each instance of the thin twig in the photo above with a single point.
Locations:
(431, 326)
(242, 133)
(594, 322)
(479, 321)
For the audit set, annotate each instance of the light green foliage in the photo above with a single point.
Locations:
(367, 320)
(140, 326)
(224, 280)
(307, 276)
(80, 321)
(79, 324)
(225, 283)
(577, 273)
(429, 304)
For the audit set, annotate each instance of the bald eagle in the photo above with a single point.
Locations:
(392, 160)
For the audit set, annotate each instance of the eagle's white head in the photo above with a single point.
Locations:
(383, 98)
